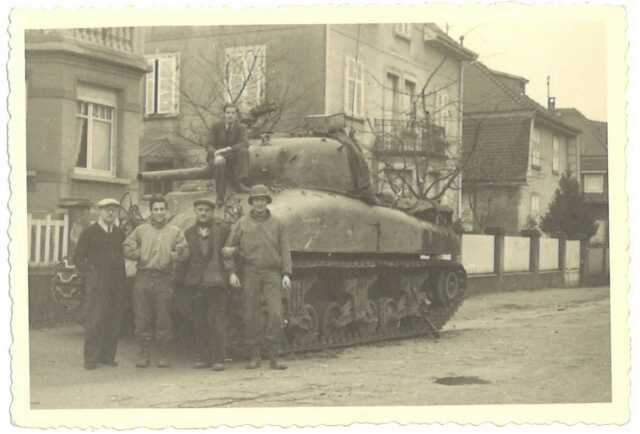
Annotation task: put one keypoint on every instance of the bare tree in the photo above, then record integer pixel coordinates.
(260, 79)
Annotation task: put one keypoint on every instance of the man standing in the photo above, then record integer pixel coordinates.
(204, 285)
(98, 257)
(261, 242)
(228, 153)
(156, 246)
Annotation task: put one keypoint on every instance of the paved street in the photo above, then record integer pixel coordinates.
(544, 346)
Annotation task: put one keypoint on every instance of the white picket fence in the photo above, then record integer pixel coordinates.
(48, 239)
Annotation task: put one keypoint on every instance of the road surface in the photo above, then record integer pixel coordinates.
(543, 346)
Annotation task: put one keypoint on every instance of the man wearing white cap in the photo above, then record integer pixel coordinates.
(98, 256)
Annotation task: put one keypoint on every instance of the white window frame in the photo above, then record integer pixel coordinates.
(534, 206)
(588, 187)
(402, 30)
(95, 97)
(165, 72)
(536, 161)
(351, 108)
(555, 162)
(253, 59)
(410, 99)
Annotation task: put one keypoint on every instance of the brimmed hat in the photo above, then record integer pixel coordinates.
(211, 204)
(106, 202)
(259, 190)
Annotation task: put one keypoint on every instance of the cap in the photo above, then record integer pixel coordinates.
(207, 202)
(106, 202)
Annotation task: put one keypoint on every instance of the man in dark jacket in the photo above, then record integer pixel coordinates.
(260, 241)
(228, 153)
(203, 283)
(98, 257)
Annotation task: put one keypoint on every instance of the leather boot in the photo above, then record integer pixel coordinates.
(242, 185)
(163, 361)
(254, 362)
(143, 355)
(274, 363)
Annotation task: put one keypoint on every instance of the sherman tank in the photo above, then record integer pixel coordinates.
(362, 271)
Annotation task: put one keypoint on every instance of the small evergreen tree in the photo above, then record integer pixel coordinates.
(569, 213)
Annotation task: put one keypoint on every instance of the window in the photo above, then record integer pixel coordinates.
(535, 206)
(594, 183)
(442, 112)
(354, 87)
(535, 148)
(391, 96)
(410, 99)
(555, 164)
(162, 94)
(95, 120)
(245, 77)
(403, 30)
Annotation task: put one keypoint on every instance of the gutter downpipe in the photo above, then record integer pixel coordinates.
(460, 111)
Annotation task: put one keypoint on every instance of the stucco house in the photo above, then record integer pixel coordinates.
(373, 73)
(515, 151)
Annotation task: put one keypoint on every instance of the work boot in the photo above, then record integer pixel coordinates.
(163, 361)
(241, 186)
(254, 362)
(201, 363)
(143, 355)
(218, 366)
(275, 364)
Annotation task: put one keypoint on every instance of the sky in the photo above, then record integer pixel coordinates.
(572, 53)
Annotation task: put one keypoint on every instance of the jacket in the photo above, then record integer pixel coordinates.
(262, 242)
(204, 269)
(220, 138)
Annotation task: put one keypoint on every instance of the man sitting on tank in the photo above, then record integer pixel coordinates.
(228, 153)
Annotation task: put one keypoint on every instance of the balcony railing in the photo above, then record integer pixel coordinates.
(121, 39)
(115, 38)
(407, 137)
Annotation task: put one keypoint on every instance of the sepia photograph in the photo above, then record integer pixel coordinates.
(249, 214)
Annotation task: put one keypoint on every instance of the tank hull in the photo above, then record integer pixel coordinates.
(361, 273)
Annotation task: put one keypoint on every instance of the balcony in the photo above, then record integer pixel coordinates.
(123, 40)
(408, 137)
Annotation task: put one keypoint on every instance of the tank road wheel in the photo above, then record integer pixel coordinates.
(330, 330)
(308, 331)
(447, 288)
(388, 322)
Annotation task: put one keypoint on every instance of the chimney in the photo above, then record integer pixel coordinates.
(462, 41)
(551, 103)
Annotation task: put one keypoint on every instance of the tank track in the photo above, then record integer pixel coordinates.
(431, 318)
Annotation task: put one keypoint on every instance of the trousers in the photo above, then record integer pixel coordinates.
(152, 301)
(232, 166)
(209, 307)
(262, 309)
(102, 317)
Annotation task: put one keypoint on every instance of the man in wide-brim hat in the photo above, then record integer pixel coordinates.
(98, 256)
(260, 240)
(201, 282)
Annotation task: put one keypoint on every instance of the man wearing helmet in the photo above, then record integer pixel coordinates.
(259, 240)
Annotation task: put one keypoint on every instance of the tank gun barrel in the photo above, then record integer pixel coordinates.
(176, 174)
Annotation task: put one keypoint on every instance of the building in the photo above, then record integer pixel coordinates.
(515, 152)
(399, 86)
(84, 114)
(593, 145)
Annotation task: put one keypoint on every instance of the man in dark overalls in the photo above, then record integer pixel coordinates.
(203, 291)
(98, 257)
(260, 241)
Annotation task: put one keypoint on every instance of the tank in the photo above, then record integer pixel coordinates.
(362, 271)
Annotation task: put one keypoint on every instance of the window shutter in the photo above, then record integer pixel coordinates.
(167, 84)
(150, 87)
